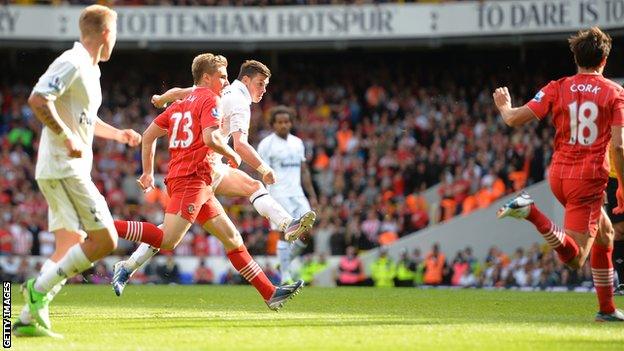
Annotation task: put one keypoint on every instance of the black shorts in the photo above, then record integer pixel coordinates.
(612, 186)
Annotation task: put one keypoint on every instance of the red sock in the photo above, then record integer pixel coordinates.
(140, 232)
(555, 237)
(602, 272)
(541, 222)
(249, 269)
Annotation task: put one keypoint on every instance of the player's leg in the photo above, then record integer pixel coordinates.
(602, 271)
(64, 239)
(617, 221)
(61, 215)
(238, 183)
(287, 251)
(187, 196)
(217, 223)
(173, 230)
(93, 214)
(618, 255)
(572, 244)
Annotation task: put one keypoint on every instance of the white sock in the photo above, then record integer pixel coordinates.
(142, 254)
(71, 264)
(269, 208)
(296, 248)
(283, 255)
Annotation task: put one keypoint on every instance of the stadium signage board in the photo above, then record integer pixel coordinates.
(320, 23)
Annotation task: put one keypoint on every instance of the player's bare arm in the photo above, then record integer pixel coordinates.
(148, 150)
(617, 150)
(213, 139)
(251, 157)
(45, 112)
(306, 181)
(123, 136)
(171, 95)
(512, 116)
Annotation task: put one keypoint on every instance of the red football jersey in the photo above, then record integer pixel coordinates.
(184, 121)
(584, 108)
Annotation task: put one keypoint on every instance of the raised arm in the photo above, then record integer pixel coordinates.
(512, 116)
(171, 95)
(124, 136)
(148, 150)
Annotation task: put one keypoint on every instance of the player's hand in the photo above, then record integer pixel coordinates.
(146, 182)
(502, 99)
(73, 147)
(130, 137)
(234, 162)
(619, 195)
(269, 177)
(158, 101)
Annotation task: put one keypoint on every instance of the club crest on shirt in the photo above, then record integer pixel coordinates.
(191, 208)
(215, 113)
(538, 97)
(56, 84)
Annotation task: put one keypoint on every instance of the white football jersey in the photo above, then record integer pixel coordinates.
(285, 157)
(236, 105)
(72, 81)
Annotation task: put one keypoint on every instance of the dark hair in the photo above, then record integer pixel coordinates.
(281, 109)
(590, 47)
(251, 68)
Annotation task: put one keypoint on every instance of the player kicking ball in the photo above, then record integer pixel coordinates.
(588, 112)
(236, 100)
(285, 153)
(192, 125)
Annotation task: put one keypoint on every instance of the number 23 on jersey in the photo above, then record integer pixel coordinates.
(182, 134)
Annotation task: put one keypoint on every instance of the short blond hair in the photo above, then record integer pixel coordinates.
(206, 63)
(94, 19)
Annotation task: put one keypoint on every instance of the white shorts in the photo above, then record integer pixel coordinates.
(296, 206)
(218, 171)
(75, 203)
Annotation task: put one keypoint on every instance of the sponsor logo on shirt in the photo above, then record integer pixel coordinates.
(191, 209)
(538, 97)
(215, 113)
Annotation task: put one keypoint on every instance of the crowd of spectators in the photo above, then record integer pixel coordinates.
(535, 268)
(378, 130)
(214, 2)
(374, 142)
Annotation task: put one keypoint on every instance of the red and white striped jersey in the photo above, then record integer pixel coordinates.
(584, 108)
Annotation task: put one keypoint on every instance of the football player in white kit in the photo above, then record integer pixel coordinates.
(66, 100)
(285, 153)
(236, 100)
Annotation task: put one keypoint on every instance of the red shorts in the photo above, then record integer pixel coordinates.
(582, 200)
(189, 195)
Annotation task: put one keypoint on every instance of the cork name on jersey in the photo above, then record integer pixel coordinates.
(584, 88)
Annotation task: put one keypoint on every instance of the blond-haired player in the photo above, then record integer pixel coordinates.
(66, 100)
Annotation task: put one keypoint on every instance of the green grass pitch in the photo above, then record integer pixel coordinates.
(235, 318)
